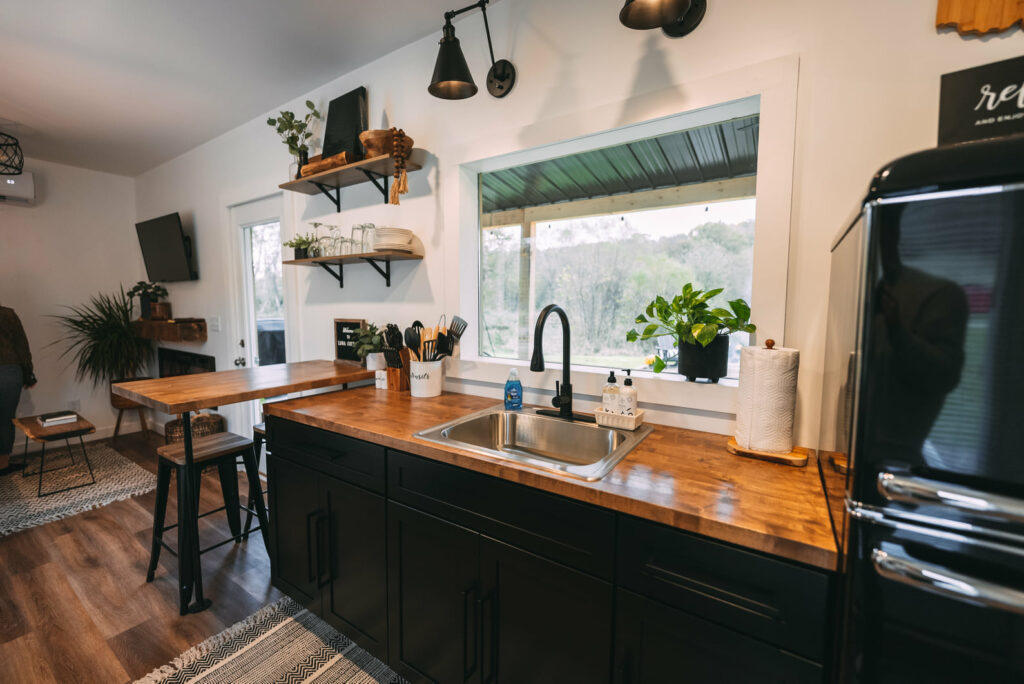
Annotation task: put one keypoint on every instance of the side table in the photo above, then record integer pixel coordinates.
(35, 431)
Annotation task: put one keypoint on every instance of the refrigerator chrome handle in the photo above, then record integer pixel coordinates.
(916, 490)
(939, 580)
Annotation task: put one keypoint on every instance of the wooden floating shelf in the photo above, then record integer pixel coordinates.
(372, 169)
(175, 330)
(375, 259)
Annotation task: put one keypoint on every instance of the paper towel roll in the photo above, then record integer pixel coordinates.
(767, 399)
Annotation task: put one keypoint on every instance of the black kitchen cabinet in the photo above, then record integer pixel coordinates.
(294, 514)
(355, 584)
(456, 577)
(655, 644)
(541, 622)
(435, 598)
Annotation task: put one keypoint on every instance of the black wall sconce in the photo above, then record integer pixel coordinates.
(12, 161)
(452, 80)
(676, 18)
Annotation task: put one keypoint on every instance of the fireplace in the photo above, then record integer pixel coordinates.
(176, 362)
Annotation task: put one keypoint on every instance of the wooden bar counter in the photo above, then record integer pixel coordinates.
(682, 478)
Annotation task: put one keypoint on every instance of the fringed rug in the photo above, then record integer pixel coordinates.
(117, 478)
(282, 642)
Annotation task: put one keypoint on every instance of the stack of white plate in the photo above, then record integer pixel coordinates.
(392, 238)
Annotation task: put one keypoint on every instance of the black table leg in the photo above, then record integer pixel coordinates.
(193, 581)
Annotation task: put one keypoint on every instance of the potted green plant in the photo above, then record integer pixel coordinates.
(148, 293)
(369, 343)
(296, 132)
(700, 332)
(301, 243)
(100, 338)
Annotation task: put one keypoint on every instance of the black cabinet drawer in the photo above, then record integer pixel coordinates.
(655, 644)
(768, 599)
(573, 533)
(352, 460)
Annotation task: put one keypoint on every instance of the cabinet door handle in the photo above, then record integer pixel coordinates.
(310, 551)
(489, 638)
(470, 630)
(322, 545)
(893, 565)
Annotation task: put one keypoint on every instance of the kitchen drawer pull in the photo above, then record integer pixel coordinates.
(916, 490)
(488, 638)
(322, 542)
(310, 551)
(939, 580)
(470, 598)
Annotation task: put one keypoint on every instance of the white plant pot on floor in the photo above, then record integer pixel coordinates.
(375, 361)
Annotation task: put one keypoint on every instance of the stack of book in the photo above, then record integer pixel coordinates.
(57, 418)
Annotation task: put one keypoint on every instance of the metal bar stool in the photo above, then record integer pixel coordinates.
(259, 436)
(220, 450)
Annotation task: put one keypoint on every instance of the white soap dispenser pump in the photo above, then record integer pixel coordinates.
(628, 397)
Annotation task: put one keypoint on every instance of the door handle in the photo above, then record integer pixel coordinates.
(944, 582)
(488, 638)
(916, 490)
(469, 668)
(322, 543)
(240, 361)
(309, 546)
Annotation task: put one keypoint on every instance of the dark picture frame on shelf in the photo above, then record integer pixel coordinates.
(347, 117)
(346, 333)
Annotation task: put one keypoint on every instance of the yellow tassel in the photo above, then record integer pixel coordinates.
(394, 191)
(403, 183)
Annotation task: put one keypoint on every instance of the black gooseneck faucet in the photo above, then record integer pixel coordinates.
(563, 393)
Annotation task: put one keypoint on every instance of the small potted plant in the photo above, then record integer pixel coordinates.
(700, 332)
(369, 342)
(148, 294)
(296, 132)
(301, 243)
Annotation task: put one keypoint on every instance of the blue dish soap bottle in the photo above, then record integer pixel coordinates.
(513, 392)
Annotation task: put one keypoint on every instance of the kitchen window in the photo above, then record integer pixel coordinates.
(602, 232)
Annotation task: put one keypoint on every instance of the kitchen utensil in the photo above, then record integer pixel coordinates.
(393, 336)
(393, 358)
(412, 341)
(445, 345)
(429, 350)
(458, 327)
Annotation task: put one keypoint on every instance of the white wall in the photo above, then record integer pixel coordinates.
(77, 241)
(868, 92)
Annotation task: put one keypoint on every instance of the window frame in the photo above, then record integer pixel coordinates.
(769, 89)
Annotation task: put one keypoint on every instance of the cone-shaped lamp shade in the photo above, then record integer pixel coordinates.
(652, 14)
(452, 80)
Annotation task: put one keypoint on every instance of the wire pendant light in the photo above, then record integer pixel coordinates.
(12, 161)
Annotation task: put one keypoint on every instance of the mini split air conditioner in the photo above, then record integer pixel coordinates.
(20, 189)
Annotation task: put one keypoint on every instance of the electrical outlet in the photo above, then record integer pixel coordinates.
(214, 323)
(75, 405)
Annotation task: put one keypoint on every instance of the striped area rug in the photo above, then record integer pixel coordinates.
(282, 642)
(117, 478)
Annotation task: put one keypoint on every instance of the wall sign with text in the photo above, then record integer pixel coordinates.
(983, 102)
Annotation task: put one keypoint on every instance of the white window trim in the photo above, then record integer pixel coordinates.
(769, 88)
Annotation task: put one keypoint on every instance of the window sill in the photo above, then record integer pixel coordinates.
(667, 392)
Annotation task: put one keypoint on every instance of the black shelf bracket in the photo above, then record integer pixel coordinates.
(384, 272)
(373, 176)
(335, 198)
(337, 276)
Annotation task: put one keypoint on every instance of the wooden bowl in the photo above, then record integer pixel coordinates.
(379, 142)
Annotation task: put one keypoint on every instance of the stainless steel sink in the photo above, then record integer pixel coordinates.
(581, 450)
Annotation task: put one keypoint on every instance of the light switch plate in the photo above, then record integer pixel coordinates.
(214, 323)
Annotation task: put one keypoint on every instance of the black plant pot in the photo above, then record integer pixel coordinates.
(301, 252)
(711, 362)
(145, 310)
(302, 161)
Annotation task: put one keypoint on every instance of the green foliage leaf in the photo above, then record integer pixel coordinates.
(632, 336)
(649, 331)
(741, 309)
(659, 364)
(640, 319)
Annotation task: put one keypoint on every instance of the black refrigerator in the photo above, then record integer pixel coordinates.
(922, 440)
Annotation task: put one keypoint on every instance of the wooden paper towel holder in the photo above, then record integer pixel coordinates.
(797, 457)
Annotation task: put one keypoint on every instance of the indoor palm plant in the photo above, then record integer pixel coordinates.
(100, 338)
(700, 332)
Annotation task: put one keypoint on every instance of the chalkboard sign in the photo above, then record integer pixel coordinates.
(983, 102)
(346, 118)
(346, 330)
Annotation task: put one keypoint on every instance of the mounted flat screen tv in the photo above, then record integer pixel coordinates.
(166, 249)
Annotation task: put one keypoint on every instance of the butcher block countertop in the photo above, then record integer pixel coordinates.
(682, 478)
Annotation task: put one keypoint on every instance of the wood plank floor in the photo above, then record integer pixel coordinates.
(74, 602)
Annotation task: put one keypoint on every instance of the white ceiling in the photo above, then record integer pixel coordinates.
(125, 85)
